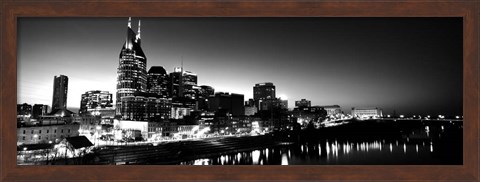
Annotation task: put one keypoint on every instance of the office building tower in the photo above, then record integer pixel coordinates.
(131, 72)
(157, 81)
(60, 89)
(232, 103)
(202, 96)
(263, 91)
(143, 108)
(95, 102)
(183, 83)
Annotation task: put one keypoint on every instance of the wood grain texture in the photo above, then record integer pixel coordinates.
(11, 10)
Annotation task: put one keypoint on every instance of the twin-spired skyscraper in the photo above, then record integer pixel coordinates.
(131, 72)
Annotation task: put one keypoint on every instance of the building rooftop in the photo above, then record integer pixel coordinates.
(157, 69)
(79, 142)
(265, 83)
(61, 112)
(330, 106)
(34, 146)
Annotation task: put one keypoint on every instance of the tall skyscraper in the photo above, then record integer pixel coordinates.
(183, 83)
(60, 88)
(202, 96)
(157, 81)
(132, 74)
(263, 91)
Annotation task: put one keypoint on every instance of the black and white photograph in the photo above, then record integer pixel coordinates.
(240, 91)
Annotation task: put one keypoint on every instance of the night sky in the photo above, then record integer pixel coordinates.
(410, 65)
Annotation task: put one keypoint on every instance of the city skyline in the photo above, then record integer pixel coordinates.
(261, 51)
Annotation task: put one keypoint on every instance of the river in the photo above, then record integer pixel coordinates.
(392, 143)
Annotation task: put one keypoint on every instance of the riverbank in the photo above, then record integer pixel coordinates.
(447, 137)
(175, 152)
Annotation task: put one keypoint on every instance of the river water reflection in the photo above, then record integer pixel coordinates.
(419, 146)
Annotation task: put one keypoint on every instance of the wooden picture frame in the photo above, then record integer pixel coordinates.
(468, 10)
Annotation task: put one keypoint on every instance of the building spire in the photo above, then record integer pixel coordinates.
(130, 35)
(137, 38)
(138, 33)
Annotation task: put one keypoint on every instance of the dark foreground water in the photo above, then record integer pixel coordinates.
(401, 143)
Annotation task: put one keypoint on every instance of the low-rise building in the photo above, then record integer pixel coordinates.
(89, 125)
(271, 104)
(187, 131)
(250, 110)
(307, 115)
(332, 109)
(169, 129)
(180, 112)
(126, 125)
(53, 133)
(24, 109)
(39, 110)
(366, 112)
(303, 103)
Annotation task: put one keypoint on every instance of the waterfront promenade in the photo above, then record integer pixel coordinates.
(432, 139)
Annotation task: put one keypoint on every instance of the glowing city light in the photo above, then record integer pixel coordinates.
(283, 97)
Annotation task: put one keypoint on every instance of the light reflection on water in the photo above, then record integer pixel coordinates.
(284, 159)
(415, 147)
(322, 153)
(256, 156)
